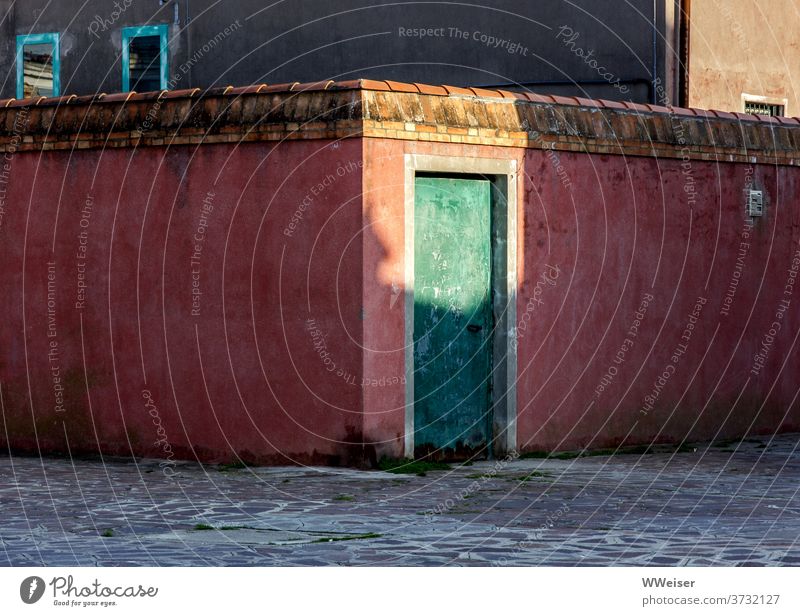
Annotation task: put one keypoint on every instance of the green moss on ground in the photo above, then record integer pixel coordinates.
(411, 467)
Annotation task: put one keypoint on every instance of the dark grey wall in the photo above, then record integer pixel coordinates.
(310, 40)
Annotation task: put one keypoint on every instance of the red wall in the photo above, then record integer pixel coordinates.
(140, 373)
(241, 378)
(623, 228)
(620, 231)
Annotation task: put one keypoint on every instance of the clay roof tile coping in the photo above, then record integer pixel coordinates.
(255, 88)
(564, 100)
(275, 88)
(59, 100)
(682, 111)
(431, 90)
(533, 97)
(613, 104)
(148, 96)
(520, 96)
(23, 102)
(371, 84)
(637, 107)
(588, 102)
(119, 97)
(723, 114)
(187, 93)
(658, 108)
(353, 84)
(766, 118)
(88, 99)
(312, 86)
(219, 91)
(702, 113)
(397, 86)
(456, 91)
(483, 93)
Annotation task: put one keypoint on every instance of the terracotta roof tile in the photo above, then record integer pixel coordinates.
(612, 104)
(486, 93)
(24, 102)
(682, 111)
(252, 89)
(187, 93)
(703, 113)
(118, 97)
(397, 86)
(431, 90)
(564, 100)
(658, 108)
(353, 84)
(312, 86)
(278, 87)
(88, 99)
(148, 96)
(60, 100)
(456, 91)
(533, 97)
(371, 84)
(637, 107)
(218, 91)
(588, 102)
(725, 115)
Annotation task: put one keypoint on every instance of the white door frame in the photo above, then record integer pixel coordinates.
(503, 175)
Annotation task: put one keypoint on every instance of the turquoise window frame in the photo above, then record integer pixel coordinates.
(51, 38)
(161, 31)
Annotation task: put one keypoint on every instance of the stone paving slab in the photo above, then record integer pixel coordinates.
(732, 505)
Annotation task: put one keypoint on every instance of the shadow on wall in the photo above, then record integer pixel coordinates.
(213, 313)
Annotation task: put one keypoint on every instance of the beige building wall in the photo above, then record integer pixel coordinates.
(744, 47)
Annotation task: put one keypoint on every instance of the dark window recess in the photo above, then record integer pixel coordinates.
(145, 63)
(767, 109)
(37, 70)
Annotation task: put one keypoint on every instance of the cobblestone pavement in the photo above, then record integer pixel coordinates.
(723, 504)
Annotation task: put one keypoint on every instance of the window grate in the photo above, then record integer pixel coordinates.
(767, 109)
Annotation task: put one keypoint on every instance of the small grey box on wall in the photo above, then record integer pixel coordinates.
(755, 203)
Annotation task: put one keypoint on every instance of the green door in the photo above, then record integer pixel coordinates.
(452, 316)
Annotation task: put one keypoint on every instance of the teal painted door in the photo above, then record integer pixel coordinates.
(452, 316)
